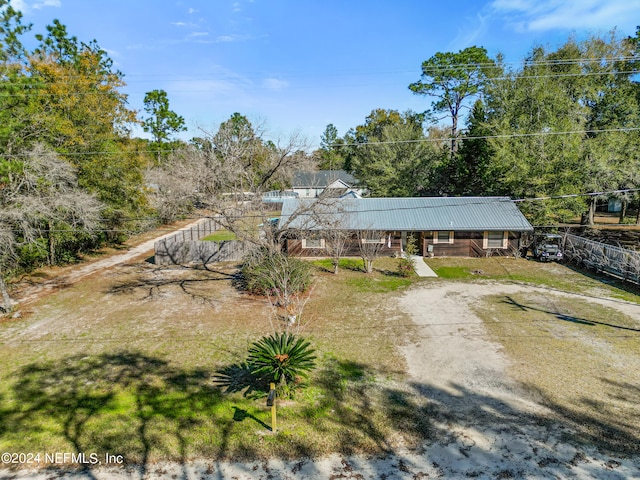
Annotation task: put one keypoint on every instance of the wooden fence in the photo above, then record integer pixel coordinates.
(616, 261)
(185, 247)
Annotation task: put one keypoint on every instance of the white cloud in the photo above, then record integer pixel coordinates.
(191, 11)
(47, 3)
(19, 5)
(199, 34)
(22, 6)
(544, 15)
(232, 38)
(274, 84)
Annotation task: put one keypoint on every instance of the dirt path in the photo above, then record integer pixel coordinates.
(492, 421)
(454, 352)
(29, 293)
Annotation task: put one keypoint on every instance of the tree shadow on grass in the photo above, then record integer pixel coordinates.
(239, 378)
(151, 283)
(602, 277)
(373, 413)
(125, 403)
(143, 407)
(567, 318)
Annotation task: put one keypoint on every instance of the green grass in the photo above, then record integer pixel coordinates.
(551, 275)
(124, 364)
(219, 236)
(354, 264)
(384, 279)
(581, 359)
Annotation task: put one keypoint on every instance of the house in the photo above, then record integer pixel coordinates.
(442, 226)
(333, 183)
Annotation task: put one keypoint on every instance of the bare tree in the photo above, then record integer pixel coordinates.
(331, 214)
(41, 200)
(336, 244)
(371, 244)
(227, 171)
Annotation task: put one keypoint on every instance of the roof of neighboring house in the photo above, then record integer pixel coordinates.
(405, 214)
(321, 179)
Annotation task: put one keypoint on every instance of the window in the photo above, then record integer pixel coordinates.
(372, 240)
(442, 237)
(495, 240)
(313, 243)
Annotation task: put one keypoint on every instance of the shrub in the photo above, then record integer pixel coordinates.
(282, 358)
(269, 272)
(405, 267)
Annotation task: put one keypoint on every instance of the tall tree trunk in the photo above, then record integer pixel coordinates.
(52, 246)
(592, 212)
(638, 214)
(623, 211)
(6, 300)
(588, 217)
(454, 134)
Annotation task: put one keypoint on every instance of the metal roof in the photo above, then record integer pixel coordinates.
(405, 214)
(321, 179)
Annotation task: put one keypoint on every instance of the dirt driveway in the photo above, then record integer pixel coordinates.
(495, 425)
(29, 292)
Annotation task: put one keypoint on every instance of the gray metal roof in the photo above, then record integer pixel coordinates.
(405, 214)
(321, 179)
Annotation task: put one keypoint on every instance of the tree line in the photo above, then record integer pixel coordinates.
(562, 122)
(72, 176)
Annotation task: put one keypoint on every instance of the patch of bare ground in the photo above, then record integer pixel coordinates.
(48, 280)
(524, 371)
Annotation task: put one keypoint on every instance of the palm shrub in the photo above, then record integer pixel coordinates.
(283, 358)
(405, 267)
(276, 275)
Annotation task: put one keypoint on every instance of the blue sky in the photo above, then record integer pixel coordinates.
(300, 65)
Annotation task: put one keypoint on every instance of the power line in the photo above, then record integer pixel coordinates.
(197, 77)
(308, 211)
(486, 137)
(353, 144)
(116, 92)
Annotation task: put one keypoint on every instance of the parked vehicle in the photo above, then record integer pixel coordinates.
(548, 247)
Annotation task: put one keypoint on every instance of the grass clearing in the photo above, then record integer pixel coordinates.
(552, 275)
(219, 236)
(582, 360)
(125, 362)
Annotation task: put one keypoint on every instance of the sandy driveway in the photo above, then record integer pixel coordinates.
(26, 294)
(489, 427)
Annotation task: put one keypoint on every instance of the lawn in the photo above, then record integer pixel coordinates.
(551, 275)
(581, 360)
(126, 361)
(219, 236)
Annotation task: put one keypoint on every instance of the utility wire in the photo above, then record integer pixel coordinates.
(486, 137)
(354, 144)
(514, 77)
(308, 211)
(194, 77)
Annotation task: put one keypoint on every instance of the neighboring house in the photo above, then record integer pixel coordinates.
(442, 226)
(334, 183)
(278, 196)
